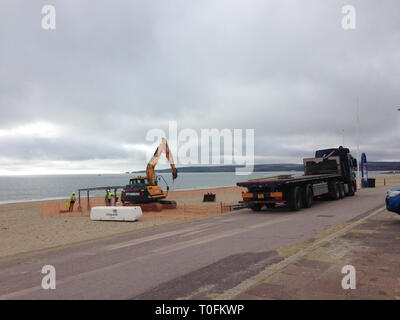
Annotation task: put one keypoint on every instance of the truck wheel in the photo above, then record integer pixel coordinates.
(341, 190)
(256, 207)
(334, 190)
(307, 196)
(352, 189)
(271, 205)
(295, 199)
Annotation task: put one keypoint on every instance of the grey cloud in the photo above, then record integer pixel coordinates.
(112, 71)
(70, 148)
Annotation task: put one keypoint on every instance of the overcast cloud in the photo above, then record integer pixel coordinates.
(81, 98)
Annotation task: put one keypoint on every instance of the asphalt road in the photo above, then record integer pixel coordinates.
(192, 260)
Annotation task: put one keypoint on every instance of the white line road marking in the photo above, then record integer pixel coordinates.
(191, 233)
(16, 294)
(208, 238)
(229, 220)
(156, 237)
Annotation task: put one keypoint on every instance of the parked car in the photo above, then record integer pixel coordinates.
(393, 200)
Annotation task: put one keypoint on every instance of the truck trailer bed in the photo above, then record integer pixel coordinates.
(286, 179)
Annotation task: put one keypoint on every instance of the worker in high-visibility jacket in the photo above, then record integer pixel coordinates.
(72, 200)
(116, 197)
(108, 198)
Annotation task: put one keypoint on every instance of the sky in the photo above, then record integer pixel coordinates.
(82, 98)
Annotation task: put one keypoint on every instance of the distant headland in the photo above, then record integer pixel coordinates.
(392, 166)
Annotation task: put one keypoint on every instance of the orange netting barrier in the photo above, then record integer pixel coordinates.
(59, 208)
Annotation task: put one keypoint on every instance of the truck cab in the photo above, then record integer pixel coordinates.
(348, 164)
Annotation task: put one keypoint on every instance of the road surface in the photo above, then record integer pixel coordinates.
(192, 260)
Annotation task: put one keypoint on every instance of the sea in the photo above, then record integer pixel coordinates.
(15, 189)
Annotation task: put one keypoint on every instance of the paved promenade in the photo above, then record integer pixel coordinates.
(372, 247)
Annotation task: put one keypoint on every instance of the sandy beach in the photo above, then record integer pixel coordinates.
(23, 228)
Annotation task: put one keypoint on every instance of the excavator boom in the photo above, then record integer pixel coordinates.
(163, 147)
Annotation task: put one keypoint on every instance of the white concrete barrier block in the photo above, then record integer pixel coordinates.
(116, 213)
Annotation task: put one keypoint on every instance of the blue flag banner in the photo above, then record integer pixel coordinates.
(364, 171)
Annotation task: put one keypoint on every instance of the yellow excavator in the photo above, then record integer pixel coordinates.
(146, 189)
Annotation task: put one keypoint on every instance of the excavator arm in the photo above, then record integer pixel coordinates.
(163, 147)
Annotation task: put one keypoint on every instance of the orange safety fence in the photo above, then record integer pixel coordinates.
(58, 208)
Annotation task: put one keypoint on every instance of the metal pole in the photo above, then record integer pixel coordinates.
(88, 199)
(79, 206)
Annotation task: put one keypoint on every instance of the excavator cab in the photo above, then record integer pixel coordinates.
(138, 180)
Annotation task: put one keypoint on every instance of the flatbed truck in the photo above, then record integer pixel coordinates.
(331, 173)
